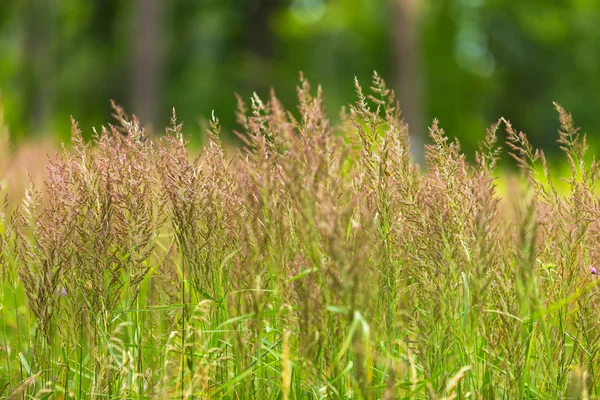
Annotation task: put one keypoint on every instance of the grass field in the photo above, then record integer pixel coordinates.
(318, 262)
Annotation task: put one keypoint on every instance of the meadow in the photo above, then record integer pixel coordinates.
(318, 262)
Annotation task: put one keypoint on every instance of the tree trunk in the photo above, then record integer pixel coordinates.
(407, 65)
(147, 60)
(37, 72)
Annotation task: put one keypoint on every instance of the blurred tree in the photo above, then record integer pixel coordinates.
(37, 68)
(407, 61)
(491, 58)
(147, 20)
(466, 62)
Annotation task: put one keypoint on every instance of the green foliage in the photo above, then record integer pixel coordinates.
(476, 59)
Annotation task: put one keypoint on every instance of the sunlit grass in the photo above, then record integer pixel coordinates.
(318, 262)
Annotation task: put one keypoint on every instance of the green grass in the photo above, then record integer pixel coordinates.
(319, 262)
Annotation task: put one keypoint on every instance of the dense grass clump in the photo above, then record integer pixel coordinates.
(318, 262)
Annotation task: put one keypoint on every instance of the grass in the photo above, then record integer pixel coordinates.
(317, 262)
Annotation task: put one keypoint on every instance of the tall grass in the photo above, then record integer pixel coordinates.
(317, 262)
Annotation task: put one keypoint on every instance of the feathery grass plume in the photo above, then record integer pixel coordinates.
(435, 235)
(43, 261)
(113, 219)
(296, 169)
(385, 178)
(202, 207)
(318, 261)
(89, 244)
(485, 258)
(580, 247)
(567, 247)
(272, 187)
(44, 256)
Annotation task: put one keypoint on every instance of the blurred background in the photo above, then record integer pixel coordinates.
(466, 62)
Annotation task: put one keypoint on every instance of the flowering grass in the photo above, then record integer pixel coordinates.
(317, 262)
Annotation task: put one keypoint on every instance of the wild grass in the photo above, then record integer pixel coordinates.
(318, 262)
